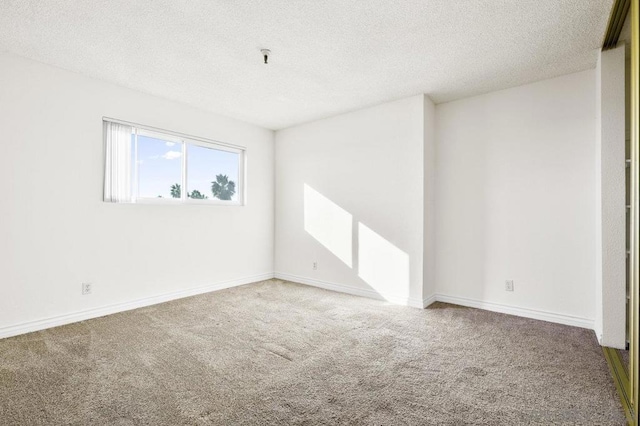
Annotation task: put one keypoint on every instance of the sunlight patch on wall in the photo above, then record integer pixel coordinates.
(329, 224)
(382, 265)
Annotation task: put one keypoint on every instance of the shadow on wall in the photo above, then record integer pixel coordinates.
(380, 264)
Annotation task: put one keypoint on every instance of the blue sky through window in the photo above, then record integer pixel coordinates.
(160, 167)
(204, 164)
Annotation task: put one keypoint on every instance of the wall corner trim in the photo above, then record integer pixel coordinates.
(429, 300)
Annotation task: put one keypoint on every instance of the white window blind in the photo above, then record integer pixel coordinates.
(117, 176)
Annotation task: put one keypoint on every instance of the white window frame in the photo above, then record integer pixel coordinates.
(184, 141)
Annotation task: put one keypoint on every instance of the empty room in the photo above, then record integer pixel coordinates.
(335, 212)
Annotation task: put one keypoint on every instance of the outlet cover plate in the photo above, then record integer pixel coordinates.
(86, 288)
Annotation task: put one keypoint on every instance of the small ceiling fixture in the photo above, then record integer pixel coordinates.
(265, 55)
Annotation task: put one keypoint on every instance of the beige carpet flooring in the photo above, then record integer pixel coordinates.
(275, 353)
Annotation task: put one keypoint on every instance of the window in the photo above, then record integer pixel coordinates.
(149, 165)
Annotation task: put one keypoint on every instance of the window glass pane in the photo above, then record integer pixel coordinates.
(212, 173)
(159, 168)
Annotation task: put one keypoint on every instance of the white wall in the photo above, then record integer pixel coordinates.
(55, 231)
(504, 188)
(430, 225)
(515, 199)
(357, 181)
(610, 324)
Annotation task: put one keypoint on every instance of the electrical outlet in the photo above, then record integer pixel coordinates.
(86, 288)
(508, 285)
(315, 266)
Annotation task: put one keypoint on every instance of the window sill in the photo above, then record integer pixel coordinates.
(172, 202)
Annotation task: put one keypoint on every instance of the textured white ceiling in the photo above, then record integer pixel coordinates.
(328, 56)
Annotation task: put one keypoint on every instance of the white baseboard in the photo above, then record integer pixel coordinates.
(28, 327)
(472, 303)
(42, 324)
(356, 291)
(429, 300)
(517, 311)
